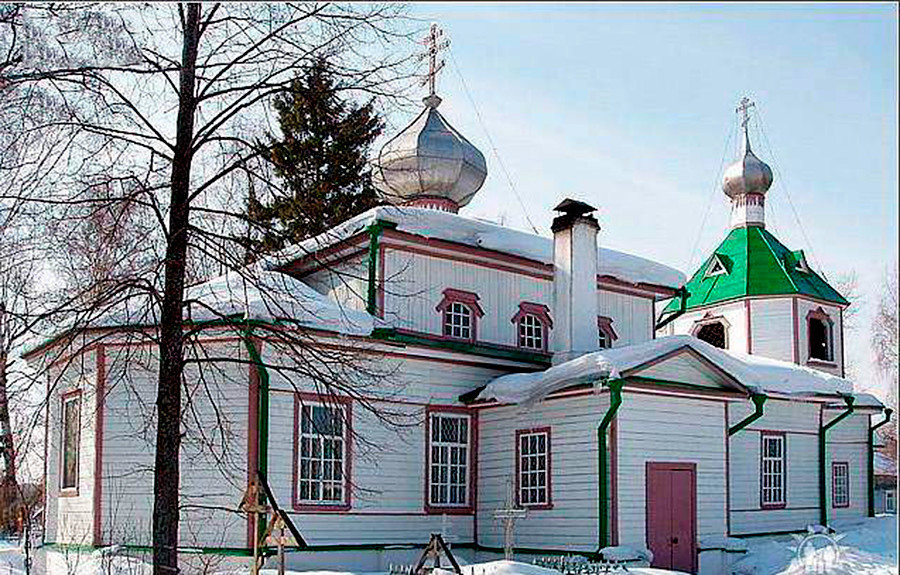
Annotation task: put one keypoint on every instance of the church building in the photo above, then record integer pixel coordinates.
(625, 410)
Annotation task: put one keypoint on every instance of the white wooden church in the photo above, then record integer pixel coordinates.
(622, 406)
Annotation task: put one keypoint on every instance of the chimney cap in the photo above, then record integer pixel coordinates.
(574, 208)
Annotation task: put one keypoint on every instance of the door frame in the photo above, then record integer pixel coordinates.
(672, 466)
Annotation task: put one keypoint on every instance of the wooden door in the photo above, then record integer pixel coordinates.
(672, 515)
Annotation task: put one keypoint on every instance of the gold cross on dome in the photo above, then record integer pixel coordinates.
(744, 110)
(433, 44)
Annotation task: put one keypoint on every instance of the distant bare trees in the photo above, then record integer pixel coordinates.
(885, 344)
(159, 106)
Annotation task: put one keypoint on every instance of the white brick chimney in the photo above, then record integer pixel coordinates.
(574, 281)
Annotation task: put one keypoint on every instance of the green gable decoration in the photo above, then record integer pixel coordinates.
(758, 265)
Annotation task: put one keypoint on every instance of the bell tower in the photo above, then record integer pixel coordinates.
(753, 295)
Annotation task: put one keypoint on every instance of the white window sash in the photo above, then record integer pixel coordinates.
(321, 460)
(449, 463)
(534, 468)
(773, 472)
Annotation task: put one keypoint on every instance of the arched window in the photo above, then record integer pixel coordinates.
(713, 330)
(532, 326)
(606, 335)
(460, 312)
(820, 332)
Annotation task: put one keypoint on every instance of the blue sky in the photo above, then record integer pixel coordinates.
(629, 106)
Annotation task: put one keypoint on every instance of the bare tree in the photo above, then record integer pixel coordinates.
(163, 103)
(884, 344)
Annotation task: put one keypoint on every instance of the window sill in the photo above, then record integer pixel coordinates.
(541, 507)
(68, 492)
(773, 507)
(847, 506)
(821, 363)
(314, 508)
(438, 510)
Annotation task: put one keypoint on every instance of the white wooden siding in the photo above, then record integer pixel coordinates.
(345, 282)
(848, 442)
(632, 317)
(572, 523)
(735, 313)
(772, 328)
(656, 429)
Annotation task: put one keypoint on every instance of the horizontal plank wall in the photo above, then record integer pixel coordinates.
(847, 442)
(771, 328)
(572, 523)
(654, 428)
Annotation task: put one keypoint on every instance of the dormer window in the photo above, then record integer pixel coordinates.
(802, 265)
(460, 313)
(820, 331)
(606, 335)
(713, 330)
(716, 267)
(532, 326)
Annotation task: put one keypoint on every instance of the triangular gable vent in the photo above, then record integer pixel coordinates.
(716, 267)
(802, 265)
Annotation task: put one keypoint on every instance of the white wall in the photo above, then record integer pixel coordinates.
(848, 442)
(632, 317)
(735, 314)
(772, 328)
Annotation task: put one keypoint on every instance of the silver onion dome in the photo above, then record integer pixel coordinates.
(748, 175)
(429, 163)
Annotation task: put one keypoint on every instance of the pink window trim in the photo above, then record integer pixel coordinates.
(834, 465)
(328, 400)
(467, 298)
(605, 324)
(519, 434)
(469, 508)
(540, 311)
(63, 398)
(784, 475)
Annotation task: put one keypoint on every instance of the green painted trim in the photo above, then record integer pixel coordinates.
(871, 459)
(615, 401)
(759, 400)
(374, 229)
(684, 386)
(262, 414)
(534, 551)
(391, 335)
(227, 551)
(823, 437)
(769, 533)
(682, 295)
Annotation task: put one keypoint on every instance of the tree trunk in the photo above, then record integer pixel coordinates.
(7, 454)
(171, 363)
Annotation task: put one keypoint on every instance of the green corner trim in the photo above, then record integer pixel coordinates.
(871, 459)
(262, 413)
(615, 401)
(375, 229)
(823, 437)
(759, 400)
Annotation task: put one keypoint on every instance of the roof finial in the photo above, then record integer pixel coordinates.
(433, 45)
(744, 110)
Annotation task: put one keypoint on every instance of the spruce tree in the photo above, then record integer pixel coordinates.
(321, 159)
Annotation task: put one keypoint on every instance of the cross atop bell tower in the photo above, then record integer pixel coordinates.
(434, 44)
(744, 110)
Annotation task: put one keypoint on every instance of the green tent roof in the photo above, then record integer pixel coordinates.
(756, 264)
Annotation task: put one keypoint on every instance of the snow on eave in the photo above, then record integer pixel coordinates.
(755, 373)
(472, 232)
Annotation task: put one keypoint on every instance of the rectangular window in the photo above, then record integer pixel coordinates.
(448, 461)
(533, 470)
(531, 332)
(890, 503)
(840, 484)
(458, 321)
(772, 471)
(71, 439)
(322, 454)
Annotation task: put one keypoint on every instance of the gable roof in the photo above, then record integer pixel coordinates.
(759, 265)
(471, 232)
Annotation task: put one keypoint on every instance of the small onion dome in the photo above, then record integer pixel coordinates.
(429, 164)
(748, 175)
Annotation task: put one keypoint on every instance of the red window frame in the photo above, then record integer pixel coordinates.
(548, 504)
(471, 471)
(542, 313)
(784, 476)
(344, 403)
(466, 298)
(71, 491)
(834, 466)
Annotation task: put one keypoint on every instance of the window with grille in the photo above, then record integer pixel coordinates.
(531, 332)
(322, 458)
(890, 503)
(458, 321)
(71, 440)
(840, 484)
(534, 468)
(772, 471)
(448, 475)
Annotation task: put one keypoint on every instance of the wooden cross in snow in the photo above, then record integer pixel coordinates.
(508, 515)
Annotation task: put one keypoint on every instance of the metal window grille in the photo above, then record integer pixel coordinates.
(841, 484)
(534, 468)
(323, 455)
(449, 465)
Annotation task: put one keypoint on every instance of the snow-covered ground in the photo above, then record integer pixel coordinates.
(864, 547)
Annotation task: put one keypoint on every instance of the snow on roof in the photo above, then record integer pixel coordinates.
(477, 233)
(757, 373)
(884, 465)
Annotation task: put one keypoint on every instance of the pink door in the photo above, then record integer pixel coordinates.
(672, 515)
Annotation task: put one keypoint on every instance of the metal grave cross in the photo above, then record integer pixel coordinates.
(508, 515)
